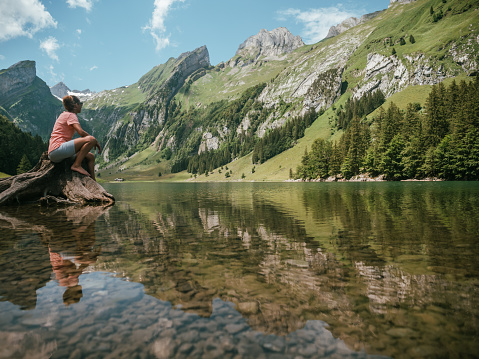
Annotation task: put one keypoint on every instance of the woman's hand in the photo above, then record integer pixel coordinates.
(83, 133)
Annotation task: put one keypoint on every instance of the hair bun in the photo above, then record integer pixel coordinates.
(68, 103)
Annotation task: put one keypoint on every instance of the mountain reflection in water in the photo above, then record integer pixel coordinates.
(251, 269)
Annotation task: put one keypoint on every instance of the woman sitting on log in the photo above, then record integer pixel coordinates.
(63, 146)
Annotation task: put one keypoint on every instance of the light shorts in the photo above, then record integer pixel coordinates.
(66, 150)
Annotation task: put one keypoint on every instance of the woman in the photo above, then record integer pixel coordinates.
(63, 146)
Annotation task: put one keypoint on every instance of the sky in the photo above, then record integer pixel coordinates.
(105, 44)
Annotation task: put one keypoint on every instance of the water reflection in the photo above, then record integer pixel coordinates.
(388, 269)
(38, 241)
(188, 256)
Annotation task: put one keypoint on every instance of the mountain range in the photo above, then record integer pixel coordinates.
(186, 107)
(61, 90)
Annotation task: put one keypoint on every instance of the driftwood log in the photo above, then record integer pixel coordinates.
(50, 182)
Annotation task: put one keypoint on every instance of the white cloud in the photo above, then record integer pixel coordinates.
(93, 68)
(23, 18)
(54, 77)
(79, 32)
(50, 46)
(2, 57)
(52, 72)
(156, 25)
(86, 4)
(317, 22)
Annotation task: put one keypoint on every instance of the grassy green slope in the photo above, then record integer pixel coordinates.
(433, 39)
(229, 83)
(156, 77)
(126, 98)
(121, 97)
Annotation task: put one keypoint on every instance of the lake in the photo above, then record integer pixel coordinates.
(245, 270)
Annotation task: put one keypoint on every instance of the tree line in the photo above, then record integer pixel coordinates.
(359, 108)
(439, 141)
(282, 138)
(19, 150)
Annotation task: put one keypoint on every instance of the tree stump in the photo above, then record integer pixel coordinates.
(50, 182)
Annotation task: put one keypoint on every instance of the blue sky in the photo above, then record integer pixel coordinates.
(105, 44)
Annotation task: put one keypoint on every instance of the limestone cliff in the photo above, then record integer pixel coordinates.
(391, 74)
(342, 27)
(349, 23)
(306, 76)
(17, 78)
(267, 44)
(27, 99)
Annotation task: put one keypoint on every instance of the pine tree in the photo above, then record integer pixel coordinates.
(320, 158)
(429, 166)
(444, 155)
(412, 158)
(452, 100)
(304, 169)
(412, 123)
(391, 124)
(412, 40)
(436, 123)
(355, 143)
(24, 165)
(391, 161)
(413, 152)
(336, 160)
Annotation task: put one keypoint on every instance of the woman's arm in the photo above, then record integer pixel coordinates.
(80, 130)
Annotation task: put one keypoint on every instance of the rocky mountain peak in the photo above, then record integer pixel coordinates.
(201, 53)
(17, 77)
(186, 64)
(59, 90)
(271, 43)
(351, 22)
(342, 27)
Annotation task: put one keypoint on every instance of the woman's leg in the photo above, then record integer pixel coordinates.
(83, 145)
(90, 157)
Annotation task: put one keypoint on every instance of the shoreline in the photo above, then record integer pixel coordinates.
(367, 178)
(320, 180)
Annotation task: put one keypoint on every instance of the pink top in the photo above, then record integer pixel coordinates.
(63, 130)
